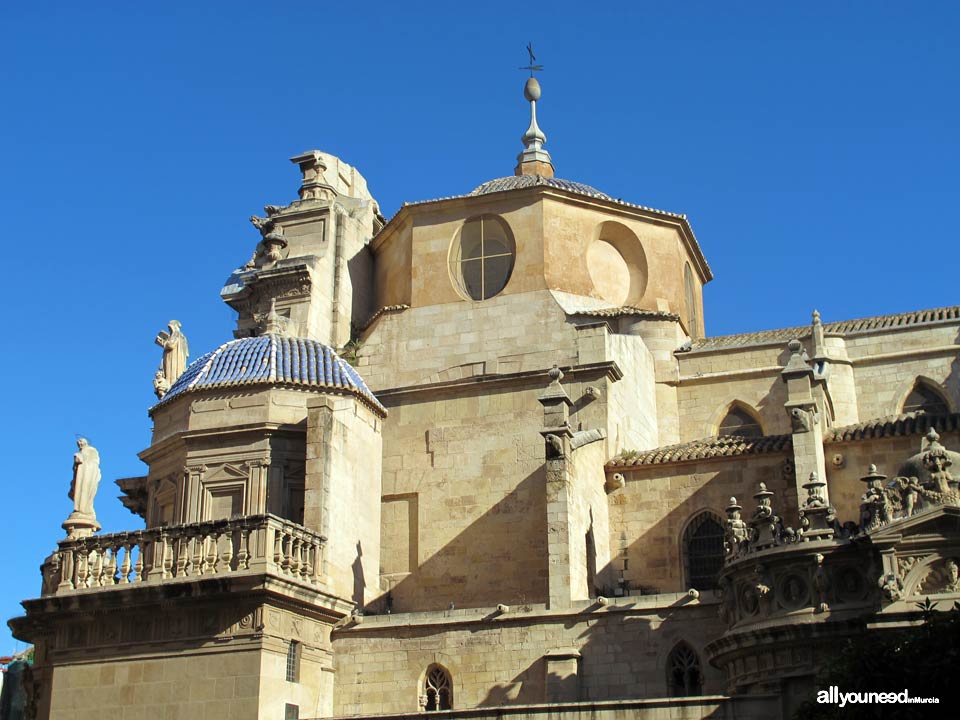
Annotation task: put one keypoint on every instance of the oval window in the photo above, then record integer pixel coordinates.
(481, 258)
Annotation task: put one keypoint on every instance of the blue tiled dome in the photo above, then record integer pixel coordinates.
(273, 360)
(515, 182)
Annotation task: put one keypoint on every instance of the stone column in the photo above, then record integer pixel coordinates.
(257, 495)
(557, 433)
(192, 491)
(805, 420)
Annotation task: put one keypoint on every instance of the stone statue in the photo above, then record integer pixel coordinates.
(737, 534)
(764, 523)
(86, 478)
(909, 490)
(936, 462)
(891, 587)
(876, 509)
(953, 576)
(160, 384)
(175, 352)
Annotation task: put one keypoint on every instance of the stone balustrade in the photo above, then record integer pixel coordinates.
(255, 543)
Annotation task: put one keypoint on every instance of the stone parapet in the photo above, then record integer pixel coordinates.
(194, 551)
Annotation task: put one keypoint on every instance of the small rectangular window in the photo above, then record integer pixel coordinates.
(293, 663)
(291, 712)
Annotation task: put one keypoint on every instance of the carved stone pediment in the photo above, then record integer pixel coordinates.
(226, 472)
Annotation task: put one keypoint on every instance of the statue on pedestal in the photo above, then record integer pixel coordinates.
(175, 353)
(83, 488)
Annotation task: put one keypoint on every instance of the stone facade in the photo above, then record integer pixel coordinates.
(480, 456)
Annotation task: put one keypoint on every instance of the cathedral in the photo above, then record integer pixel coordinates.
(480, 459)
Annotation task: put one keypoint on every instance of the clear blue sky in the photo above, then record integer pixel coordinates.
(813, 145)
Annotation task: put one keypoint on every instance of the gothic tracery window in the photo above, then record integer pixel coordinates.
(703, 551)
(683, 672)
(437, 689)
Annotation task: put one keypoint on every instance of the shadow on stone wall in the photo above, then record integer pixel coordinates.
(501, 557)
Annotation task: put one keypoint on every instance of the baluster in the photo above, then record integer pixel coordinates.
(183, 550)
(151, 547)
(200, 551)
(243, 554)
(111, 574)
(82, 565)
(278, 547)
(308, 558)
(228, 551)
(302, 551)
(138, 568)
(125, 566)
(99, 560)
(166, 548)
(66, 570)
(214, 557)
(287, 551)
(294, 554)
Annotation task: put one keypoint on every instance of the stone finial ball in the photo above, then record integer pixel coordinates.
(794, 346)
(531, 91)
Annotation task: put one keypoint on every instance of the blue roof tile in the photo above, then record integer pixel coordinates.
(272, 359)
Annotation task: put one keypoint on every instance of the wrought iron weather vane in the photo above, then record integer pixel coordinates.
(532, 67)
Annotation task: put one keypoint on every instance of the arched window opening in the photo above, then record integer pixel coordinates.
(739, 422)
(293, 661)
(690, 292)
(703, 551)
(923, 398)
(437, 690)
(683, 672)
(481, 257)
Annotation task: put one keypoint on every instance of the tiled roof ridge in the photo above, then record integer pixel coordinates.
(839, 327)
(704, 449)
(912, 317)
(628, 311)
(380, 313)
(912, 423)
(560, 184)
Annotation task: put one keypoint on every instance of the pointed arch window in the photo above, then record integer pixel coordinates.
(437, 689)
(683, 672)
(926, 399)
(738, 421)
(703, 551)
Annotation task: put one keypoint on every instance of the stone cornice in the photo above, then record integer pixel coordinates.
(532, 378)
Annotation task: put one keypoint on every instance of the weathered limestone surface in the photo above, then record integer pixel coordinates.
(500, 659)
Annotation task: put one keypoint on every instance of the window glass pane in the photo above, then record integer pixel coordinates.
(471, 245)
(482, 260)
(472, 281)
(705, 554)
(496, 272)
(494, 243)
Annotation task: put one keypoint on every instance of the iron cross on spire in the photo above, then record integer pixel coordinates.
(532, 67)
